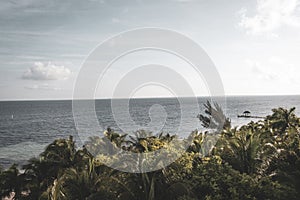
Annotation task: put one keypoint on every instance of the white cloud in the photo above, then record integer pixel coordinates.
(42, 87)
(184, 1)
(41, 71)
(99, 1)
(115, 20)
(274, 69)
(262, 70)
(270, 15)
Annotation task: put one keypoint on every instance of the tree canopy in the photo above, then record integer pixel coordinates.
(260, 160)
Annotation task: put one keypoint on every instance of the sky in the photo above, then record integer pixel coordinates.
(254, 44)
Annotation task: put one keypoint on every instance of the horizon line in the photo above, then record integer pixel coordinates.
(151, 97)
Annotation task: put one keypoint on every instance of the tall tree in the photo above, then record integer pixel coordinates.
(214, 117)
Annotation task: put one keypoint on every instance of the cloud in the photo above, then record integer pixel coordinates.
(41, 71)
(262, 71)
(274, 69)
(270, 15)
(99, 1)
(41, 87)
(115, 20)
(184, 1)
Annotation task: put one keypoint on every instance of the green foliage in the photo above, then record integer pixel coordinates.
(213, 180)
(214, 117)
(260, 160)
(10, 181)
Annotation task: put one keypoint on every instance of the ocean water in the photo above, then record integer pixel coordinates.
(26, 127)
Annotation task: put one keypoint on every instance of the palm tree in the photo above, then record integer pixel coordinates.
(285, 167)
(144, 141)
(10, 183)
(214, 117)
(114, 137)
(40, 172)
(246, 149)
(74, 184)
(282, 119)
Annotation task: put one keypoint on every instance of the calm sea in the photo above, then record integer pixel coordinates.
(26, 127)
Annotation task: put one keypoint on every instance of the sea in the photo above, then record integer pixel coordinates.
(26, 127)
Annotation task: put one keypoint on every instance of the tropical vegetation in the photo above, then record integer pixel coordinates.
(259, 160)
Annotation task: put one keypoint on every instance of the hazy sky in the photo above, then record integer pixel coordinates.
(255, 45)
